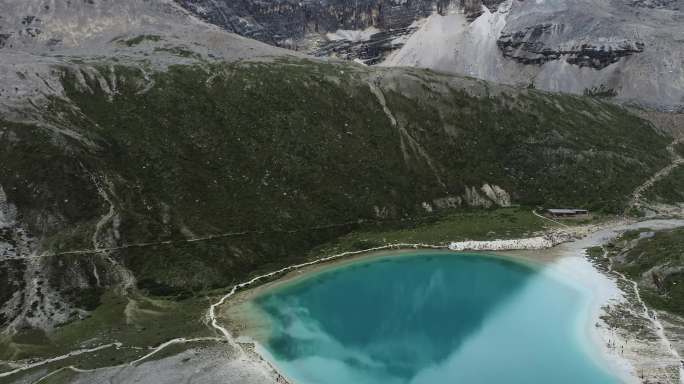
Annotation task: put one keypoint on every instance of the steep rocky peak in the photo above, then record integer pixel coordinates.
(304, 25)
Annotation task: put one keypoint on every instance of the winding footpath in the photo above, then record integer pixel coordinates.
(180, 340)
(154, 351)
(59, 358)
(56, 371)
(651, 316)
(534, 212)
(677, 160)
(100, 250)
(117, 345)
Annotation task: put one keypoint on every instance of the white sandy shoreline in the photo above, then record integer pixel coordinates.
(627, 354)
(569, 244)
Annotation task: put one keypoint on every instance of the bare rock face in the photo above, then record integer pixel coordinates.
(26, 299)
(487, 196)
(588, 55)
(306, 25)
(577, 46)
(630, 50)
(14, 239)
(277, 21)
(662, 4)
(497, 195)
(474, 198)
(528, 47)
(606, 48)
(102, 28)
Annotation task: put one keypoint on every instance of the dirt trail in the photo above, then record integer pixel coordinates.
(647, 314)
(154, 351)
(59, 358)
(677, 160)
(103, 250)
(534, 212)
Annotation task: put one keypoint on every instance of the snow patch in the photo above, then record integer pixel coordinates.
(352, 35)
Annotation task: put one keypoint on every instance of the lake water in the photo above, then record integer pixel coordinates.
(431, 318)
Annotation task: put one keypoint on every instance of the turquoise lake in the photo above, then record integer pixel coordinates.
(431, 318)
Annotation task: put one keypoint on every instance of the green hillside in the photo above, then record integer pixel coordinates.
(290, 155)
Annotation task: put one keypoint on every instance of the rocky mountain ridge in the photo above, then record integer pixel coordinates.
(527, 47)
(310, 26)
(562, 46)
(629, 48)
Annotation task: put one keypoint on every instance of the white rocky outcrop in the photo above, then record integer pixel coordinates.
(473, 198)
(497, 195)
(487, 196)
(539, 242)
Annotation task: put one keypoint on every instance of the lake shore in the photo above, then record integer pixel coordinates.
(635, 356)
(564, 250)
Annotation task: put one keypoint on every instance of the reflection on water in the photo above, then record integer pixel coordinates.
(429, 319)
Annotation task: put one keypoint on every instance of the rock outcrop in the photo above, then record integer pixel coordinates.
(661, 4)
(528, 47)
(14, 239)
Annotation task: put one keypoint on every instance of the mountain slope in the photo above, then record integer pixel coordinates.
(159, 156)
(284, 156)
